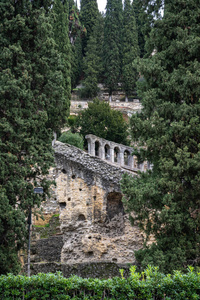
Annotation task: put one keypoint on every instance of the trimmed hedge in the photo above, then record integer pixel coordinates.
(148, 285)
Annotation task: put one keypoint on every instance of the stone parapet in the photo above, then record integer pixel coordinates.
(117, 154)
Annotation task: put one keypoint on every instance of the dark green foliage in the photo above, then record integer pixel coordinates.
(99, 119)
(74, 139)
(61, 37)
(46, 4)
(92, 63)
(72, 120)
(75, 26)
(77, 60)
(89, 12)
(143, 24)
(77, 31)
(71, 3)
(130, 49)
(148, 285)
(32, 104)
(166, 200)
(112, 44)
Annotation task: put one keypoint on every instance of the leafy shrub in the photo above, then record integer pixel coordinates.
(99, 119)
(74, 139)
(148, 285)
(72, 119)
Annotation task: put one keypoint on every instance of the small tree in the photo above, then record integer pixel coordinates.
(99, 119)
(74, 139)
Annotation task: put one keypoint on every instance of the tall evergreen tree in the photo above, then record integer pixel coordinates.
(89, 12)
(77, 32)
(112, 44)
(77, 60)
(61, 37)
(166, 200)
(92, 62)
(143, 21)
(32, 104)
(71, 3)
(130, 49)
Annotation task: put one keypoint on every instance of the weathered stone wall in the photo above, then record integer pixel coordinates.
(94, 237)
(93, 222)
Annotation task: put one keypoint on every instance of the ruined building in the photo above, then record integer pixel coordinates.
(92, 235)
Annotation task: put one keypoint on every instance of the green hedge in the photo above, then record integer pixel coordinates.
(148, 285)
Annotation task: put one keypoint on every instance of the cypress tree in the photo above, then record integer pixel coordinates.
(112, 44)
(76, 32)
(71, 3)
(32, 105)
(77, 60)
(130, 49)
(61, 37)
(166, 199)
(93, 60)
(88, 14)
(143, 24)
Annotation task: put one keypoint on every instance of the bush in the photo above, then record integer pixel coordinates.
(72, 120)
(147, 285)
(74, 139)
(99, 119)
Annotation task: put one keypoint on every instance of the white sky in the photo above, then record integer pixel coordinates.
(101, 4)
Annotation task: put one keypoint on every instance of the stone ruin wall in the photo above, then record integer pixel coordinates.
(94, 228)
(93, 222)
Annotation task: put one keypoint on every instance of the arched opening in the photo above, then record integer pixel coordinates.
(114, 204)
(89, 145)
(116, 155)
(127, 158)
(97, 146)
(81, 217)
(107, 152)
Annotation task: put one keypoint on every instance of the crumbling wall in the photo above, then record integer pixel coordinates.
(94, 225)
(93, 237)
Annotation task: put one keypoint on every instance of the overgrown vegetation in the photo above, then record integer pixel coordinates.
(148, 285)
(99, 119)
(74, 139)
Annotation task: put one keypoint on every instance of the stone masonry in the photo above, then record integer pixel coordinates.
(93, 222)
(86, 230)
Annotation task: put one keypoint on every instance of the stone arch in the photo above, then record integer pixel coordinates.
(107, 152)
(97, 148)
(114, 204)
(117, 155)
(127, 158)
